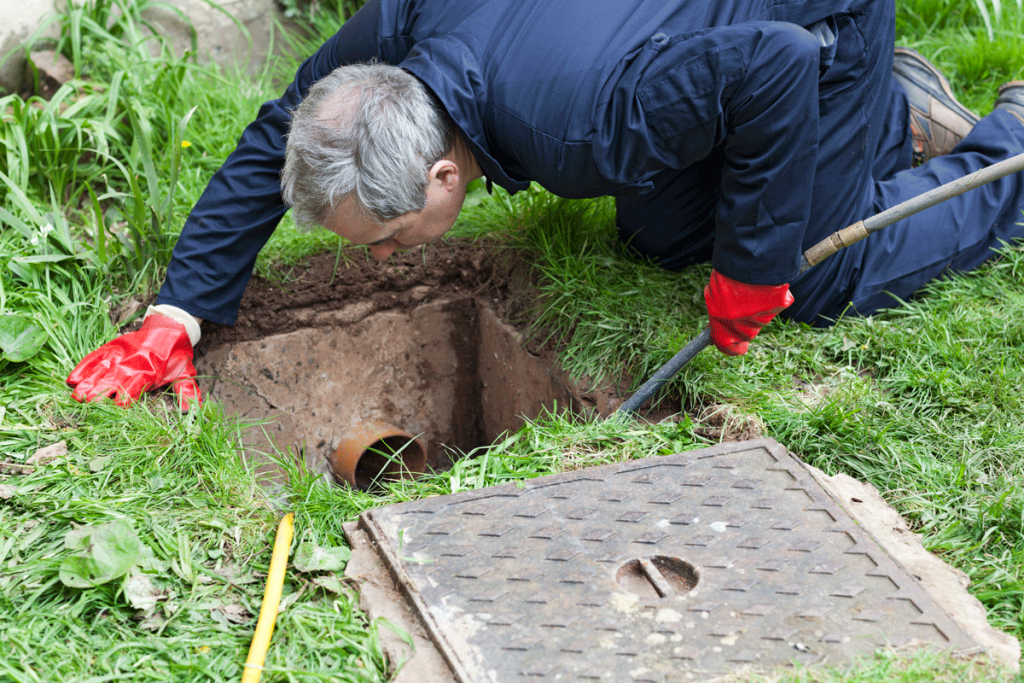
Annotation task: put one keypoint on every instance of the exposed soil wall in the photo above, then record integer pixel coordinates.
(415, 342)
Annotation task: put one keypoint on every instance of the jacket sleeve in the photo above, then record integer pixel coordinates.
(752, 88)
(241, 206)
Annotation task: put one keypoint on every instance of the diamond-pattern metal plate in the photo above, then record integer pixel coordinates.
(571, 576)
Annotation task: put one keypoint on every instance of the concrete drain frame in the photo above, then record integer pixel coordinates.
(672, 568)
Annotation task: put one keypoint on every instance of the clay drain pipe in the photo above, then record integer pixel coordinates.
(375, 451)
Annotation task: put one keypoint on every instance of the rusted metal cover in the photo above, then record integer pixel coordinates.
(671, 568)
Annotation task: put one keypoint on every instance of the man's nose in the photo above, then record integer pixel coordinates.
(382, 252)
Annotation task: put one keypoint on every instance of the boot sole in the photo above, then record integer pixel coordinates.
(943, 83)
(1010, 84)
(1014, 104)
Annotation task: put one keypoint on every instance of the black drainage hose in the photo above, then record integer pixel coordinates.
(667, 372)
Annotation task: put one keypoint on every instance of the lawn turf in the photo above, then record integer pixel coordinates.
(923, 401)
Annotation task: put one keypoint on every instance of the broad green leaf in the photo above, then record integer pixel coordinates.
(100, 553)
(310, 557)
(43, 258)
(97, 464)
(20, 338)
(329, 583)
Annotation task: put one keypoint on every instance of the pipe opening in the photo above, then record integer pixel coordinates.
(388, 459)
(374, 452)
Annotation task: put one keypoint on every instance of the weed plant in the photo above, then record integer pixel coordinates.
(923, 401)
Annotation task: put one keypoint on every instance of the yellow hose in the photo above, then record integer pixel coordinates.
(271, 601)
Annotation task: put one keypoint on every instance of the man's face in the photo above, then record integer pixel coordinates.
(444, 201)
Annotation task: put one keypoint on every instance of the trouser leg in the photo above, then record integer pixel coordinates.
(863, 168)
(862, 132)
(870, 167)
(957, 235)
(895, 150)
(674, 224)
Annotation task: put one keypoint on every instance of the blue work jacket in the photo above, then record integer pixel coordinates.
(585, 97)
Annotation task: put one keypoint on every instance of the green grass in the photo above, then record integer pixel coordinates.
(923, 401)
(899, 667)
(954, 35)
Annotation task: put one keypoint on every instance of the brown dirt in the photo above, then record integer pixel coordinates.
(407, 280)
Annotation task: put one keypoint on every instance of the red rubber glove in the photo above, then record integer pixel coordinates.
(159, 353)
(738, 311)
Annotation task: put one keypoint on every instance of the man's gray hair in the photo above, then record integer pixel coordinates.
(367, 130)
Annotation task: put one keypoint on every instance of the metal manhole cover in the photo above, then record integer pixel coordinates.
(670, 568)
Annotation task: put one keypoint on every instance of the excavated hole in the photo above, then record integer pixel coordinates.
(449, 372)
(414, 341)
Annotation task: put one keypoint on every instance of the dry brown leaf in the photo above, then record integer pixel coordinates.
(154, 622)
(125, 311)
(141, 593)
(235, 613)
(234, 574)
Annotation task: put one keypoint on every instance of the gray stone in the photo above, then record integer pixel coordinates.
(53, 70)
(20, 20)
(236, 33)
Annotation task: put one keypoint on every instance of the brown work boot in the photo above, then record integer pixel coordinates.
(1011, 98)
(937, 121)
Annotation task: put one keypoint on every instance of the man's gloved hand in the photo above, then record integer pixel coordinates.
(738, 311)
(159, 353)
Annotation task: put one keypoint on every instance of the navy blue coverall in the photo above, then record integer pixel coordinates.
(740, 131)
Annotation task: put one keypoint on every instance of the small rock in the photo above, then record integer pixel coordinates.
(419, 293)
(54, 70)
(47, 455)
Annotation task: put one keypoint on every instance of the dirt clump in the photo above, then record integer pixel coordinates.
(721, 422)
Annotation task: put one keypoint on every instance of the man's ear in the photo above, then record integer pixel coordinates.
(445, 172)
